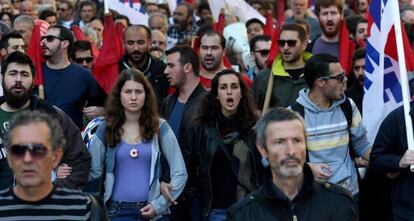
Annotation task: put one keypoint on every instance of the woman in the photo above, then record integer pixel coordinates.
(129, 144)
(229, 164)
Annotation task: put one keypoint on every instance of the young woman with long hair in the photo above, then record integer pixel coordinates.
(129, 145)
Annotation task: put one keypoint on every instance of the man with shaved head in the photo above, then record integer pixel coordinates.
(137, 42)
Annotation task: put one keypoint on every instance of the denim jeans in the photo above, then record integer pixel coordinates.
(217, 215)
(123, 211)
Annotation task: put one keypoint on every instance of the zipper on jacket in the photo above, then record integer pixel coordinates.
(211, 187)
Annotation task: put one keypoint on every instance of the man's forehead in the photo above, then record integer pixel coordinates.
(283, 129)
(289, 34)
(15, 41)
(330, 8)
(18, 67)
(210, 40)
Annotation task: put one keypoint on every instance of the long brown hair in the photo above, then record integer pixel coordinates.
(115, 116)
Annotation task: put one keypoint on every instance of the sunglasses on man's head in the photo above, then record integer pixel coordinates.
(263, 53)
(37, 150)
(50, 38)
(290, 43)
(81, 60)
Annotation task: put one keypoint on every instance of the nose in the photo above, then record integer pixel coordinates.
(290, 149)
(133, 96)
(27, 157)
(228, 90)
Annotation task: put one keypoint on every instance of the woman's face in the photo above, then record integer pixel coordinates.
(6, 19)
(132, 96)
(229, 94)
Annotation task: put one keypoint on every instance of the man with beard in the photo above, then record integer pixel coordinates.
(289, 191)
(184, 27)
(286, 72)
(18, 80)
(259, 50)
(212, 51)
(333, 124)
(330, 14)
(137, 42)
(301, 12)
(356, 91)
(67, 85)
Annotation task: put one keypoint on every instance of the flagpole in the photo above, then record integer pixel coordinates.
(106, 9)
(404, 78)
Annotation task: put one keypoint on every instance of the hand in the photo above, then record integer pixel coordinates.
(63, 171)
(166, 189)
(321, 171)
(361, 162)
(93, 112)
(407, 159)
(148, 211)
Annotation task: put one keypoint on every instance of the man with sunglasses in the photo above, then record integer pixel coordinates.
(65, 13)
(82, 54)
(333, 123)
(259, 50)
(286, 74)
(18, 80)
(35, 147)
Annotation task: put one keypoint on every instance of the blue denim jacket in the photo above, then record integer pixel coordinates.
(105, 156)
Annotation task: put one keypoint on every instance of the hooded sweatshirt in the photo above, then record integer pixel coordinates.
(329, 136)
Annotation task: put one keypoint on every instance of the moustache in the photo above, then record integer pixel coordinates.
(289, 158)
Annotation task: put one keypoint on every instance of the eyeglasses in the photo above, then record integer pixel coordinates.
(62, 9)
(81, 60)
(263, 53)
(37, 150)
(340, 77)
(290, 43)
(357, 68)
(51, 38)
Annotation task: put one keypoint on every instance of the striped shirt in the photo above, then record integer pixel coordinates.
(60, 204)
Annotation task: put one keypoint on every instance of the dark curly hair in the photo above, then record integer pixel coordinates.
(210, 106)
(115, 116)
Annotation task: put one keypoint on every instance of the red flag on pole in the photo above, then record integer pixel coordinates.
(106, 69)
(218, 27)
(268, 28)
(346, 48)
(35, 51)
(81, 37)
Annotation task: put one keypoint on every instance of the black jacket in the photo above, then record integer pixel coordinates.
(154, 71)
(387, 151)
(315, 201)
(203, 140)
(75, 153)
(187, 121)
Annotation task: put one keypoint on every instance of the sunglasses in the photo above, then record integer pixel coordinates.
(340, 77)
(51, 38)
(37, 150)
(81, 60)
(263, 53)
(290, 43)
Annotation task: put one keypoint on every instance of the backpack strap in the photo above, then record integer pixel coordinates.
(346, 108)
(298, 108)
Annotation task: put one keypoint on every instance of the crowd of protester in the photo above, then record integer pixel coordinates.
(195, 126)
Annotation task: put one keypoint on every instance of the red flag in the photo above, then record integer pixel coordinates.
(274, 48)
(120, 29)
(218, 27)
(346, 48)
(81, 37)
(391, 48)
(280, 11)
(35, 51)
(106, 69)
(268, 28)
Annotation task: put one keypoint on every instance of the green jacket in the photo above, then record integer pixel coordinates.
(285, 88)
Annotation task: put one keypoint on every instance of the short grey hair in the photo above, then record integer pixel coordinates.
(162, 16)
(24, 19)
(32, 117)
(277, 114)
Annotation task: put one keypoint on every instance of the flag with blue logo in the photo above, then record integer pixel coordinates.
(383, 91)
(133, 9)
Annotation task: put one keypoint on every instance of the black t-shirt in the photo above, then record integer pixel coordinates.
(295, 73)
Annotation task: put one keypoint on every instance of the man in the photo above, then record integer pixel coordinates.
(356, 91)
(259, 6)
(35, 147)
(137, 41)
(18, 81)
(184, 27)
(82, 54)
(158, 21)
(362, 7)
(123, 19)
(289, 191)
(361, 30)
(259, 50)
(333, 123)
(10, 43)
(182, 72)
(390, 156)
(330, 14)
(26, 8)
(212, 51)
(65, 13)
(254, 27)
(87, 11)
(158, 45)
(24, 25)
(286, 71)
(408, 15)
(300, 12)
(97, 25)
(151, 8)
(49, 16)
(204, 12)
(67, 85)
